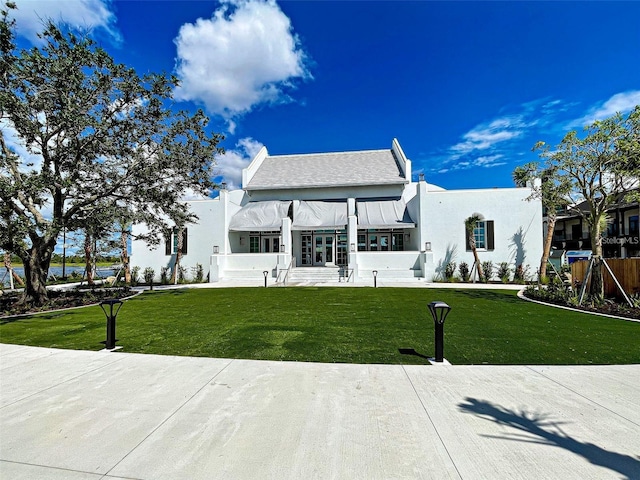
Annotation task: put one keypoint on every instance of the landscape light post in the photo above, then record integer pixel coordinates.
(375, 279)
(111, 309)
(439, 312)
(265, 273)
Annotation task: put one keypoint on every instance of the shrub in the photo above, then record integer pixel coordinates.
(197, 273)
(135, 272)
(182, 274)
(521, 273)
(464, 271)
(449, 271)
(555, 292)
(148, 274)
(487, 271)
(164, 275)
(503, 272)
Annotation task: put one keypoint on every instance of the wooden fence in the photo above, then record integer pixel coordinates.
(626, 270)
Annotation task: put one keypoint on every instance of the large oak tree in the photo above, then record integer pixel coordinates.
(80, 133)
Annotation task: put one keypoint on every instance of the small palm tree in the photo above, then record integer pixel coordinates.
(470, 225)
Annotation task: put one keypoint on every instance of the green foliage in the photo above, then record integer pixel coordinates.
(504, 272)
(449, 271)
(197, 273)
(520, 274)
(464, 271)
(182, 274)
(555, 292)
(108, 143)
(135, 276)
(596, 169)
(487, 271)
(164, 275)
(148, 275)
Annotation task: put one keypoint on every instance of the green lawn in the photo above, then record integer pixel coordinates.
(357, 325)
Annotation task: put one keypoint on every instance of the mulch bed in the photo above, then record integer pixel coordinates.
(60, 299)
(609, 307)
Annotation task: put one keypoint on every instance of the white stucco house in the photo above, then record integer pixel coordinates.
(341, 216)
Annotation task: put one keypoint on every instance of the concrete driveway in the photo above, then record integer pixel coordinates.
(91, 415)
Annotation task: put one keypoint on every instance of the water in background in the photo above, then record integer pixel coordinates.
(57, 272)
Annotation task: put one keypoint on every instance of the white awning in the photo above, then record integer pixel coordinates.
(260, 216)
(384, 214)
(318, 215)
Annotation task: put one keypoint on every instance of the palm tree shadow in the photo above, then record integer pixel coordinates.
(540, 429)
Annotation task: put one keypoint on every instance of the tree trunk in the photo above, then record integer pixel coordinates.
(36, 262)
(124, 257)
(87, 259)
(546, 249)
(8, 266)
(477, 262)
(596, 290)
(176, 266)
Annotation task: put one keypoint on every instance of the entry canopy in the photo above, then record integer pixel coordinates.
(319, 215)
(260, 216)
(384, 214)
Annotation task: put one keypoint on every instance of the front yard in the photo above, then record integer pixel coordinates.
(355, 325)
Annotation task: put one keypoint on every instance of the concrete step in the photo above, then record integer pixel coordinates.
(315, 275)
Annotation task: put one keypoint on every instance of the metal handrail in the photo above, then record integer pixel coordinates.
(286, 273)
(345, 272)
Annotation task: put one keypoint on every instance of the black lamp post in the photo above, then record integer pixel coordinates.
(265, 273)
(111, 309)
(439, 312)
(375, 279)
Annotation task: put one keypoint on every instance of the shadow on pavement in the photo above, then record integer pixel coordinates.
(534, 428)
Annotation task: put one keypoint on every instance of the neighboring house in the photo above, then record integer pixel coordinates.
(344, 215)
(621, 238)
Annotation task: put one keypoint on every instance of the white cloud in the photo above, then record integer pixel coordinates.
(487, 135)
(489, 161)
(28, 161)
(230, 165)
(244, 56)
(619, 103)
(77, 14)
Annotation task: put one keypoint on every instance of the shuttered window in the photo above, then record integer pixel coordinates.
(483, 233)
(171, 243)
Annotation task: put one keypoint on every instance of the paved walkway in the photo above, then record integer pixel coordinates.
(99, 415)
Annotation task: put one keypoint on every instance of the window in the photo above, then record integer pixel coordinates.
(264, 242)
(483, 235)
(362, 242)
(254, 244)
(397, 242)
(633, 225)
(380, 240)
(479, 234)
(171, 243)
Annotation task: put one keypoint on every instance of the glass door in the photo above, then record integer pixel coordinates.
(341, 250)
(306, 250)
(323, 250)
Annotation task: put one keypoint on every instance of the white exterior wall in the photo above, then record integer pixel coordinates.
(210, 230)
(517, 222)
(439, 216)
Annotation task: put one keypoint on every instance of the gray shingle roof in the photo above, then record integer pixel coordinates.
(369, 167)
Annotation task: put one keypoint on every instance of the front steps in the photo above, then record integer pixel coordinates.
(310, 275)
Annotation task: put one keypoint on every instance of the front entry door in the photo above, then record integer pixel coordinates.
(323, 249)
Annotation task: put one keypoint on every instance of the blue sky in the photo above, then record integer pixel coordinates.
(466, 87)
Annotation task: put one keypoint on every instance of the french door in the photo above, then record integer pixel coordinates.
(323, 249)
(320, 249)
